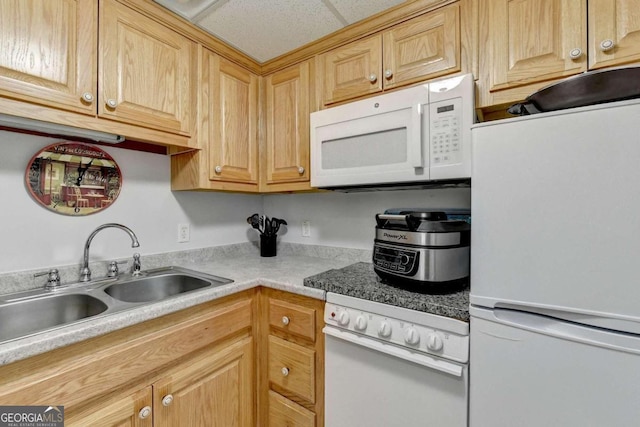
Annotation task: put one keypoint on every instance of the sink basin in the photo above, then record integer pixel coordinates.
(21, 318)
(159, 287)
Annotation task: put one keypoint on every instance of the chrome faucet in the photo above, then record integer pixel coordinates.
(85, 272)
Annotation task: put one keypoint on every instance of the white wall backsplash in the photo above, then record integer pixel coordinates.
(34, 237)
(348, 219)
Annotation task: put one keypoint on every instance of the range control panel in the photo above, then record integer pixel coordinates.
(446, 140)
(404, 333)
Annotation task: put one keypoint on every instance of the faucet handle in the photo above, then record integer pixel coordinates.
(112, 271)
(53, 278)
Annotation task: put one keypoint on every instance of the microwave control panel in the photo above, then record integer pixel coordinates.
(446, 137)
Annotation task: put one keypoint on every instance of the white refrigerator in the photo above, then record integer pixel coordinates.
(555, 269)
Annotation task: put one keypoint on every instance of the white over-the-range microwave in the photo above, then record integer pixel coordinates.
(418, 134)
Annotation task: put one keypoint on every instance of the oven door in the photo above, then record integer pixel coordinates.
(368, 383)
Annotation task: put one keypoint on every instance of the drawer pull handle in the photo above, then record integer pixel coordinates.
(218, 169)
(285, 320)
(300, 170)
(144, 412)
(285, 372)
(167, 400)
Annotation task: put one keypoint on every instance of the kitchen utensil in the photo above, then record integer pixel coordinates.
(267, 226)
(253, 220)
(592, 87)
(277, 223)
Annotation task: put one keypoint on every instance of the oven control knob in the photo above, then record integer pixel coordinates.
(434, 342)
(343, 318)
(361, 323)
(411, 336)
(384, 330)
(404, 259)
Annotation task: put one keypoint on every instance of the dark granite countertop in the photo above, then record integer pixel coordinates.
(360, 281)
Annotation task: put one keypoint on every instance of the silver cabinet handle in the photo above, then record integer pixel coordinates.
(285, 320)
(144, 412)
(388, 74)
(218, 169)
(112, 103)
(285, 372)
(88, 97)
(300, 170)
(166, 401)
(575, 53)
(607, 45)
(373, 78)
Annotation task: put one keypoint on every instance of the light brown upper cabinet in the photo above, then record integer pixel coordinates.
(229, 126)
(48, 53)
(146, 71)
(525, 45)
(285, 150)
(614, 32)
(121, 72)
(422, 48)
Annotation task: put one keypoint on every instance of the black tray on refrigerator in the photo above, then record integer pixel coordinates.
(591, 87)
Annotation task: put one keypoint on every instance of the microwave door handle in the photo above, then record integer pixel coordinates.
(415, 139)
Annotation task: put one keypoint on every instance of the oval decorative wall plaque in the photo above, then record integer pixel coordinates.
(73, 178)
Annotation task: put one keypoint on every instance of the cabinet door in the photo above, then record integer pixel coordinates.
(48, 52)
(213, 390)
(230, 119)
(287, 122)
(614, 32)
(146, 71)
(130, 411)
(423, 48)
(527, 41)
(352, 70)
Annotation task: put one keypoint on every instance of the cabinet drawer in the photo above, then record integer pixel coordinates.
(292, 367)
(293, 319)
(285, 413)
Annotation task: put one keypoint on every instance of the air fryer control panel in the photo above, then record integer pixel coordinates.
(401, 261)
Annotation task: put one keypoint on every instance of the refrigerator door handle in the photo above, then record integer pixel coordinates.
(561, 329)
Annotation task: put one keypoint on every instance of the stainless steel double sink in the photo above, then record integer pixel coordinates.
(26, 313)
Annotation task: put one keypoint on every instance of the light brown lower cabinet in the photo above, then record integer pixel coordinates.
(255, 358)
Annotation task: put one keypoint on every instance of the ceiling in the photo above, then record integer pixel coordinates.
(265, 29)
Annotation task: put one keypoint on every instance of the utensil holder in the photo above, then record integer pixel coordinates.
(268, 245)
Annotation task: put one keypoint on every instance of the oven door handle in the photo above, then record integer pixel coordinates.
(392, 350)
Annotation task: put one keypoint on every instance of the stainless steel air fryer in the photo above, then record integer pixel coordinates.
(423, 250)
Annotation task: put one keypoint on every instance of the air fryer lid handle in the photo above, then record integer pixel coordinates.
(411, 219)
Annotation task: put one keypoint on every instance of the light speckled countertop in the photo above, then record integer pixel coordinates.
(241, 263)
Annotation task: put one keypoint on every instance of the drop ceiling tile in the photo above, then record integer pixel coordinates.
(187, 8)
(356, 10)
(267, 29)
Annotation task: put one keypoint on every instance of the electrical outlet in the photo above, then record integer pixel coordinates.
(306, 228)
(183, 233)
